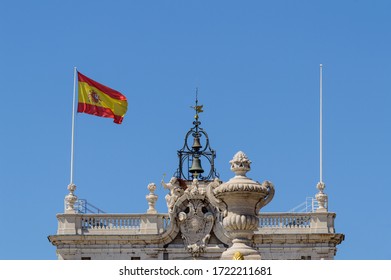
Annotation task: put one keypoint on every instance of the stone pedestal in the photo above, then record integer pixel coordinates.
(150, 224)
(69, 224)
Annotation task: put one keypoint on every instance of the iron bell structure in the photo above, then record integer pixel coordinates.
(191, 155)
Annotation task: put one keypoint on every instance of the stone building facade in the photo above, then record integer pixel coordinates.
(206, 219)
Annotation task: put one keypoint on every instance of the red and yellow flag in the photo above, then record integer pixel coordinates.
(99, 100)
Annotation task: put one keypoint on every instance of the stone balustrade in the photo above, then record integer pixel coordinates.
(296, 223)
(134, 224)
(111, 224)
(107, 224)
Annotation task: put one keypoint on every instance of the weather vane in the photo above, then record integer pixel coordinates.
(197, 108)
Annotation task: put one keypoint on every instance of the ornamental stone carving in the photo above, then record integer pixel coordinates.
(175, 192)
(151, 198)
(196, 224)
(240, 199)
(191, 214)
(321, 197)
(70, 199)
(240, 164)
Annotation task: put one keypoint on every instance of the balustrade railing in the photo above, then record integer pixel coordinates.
(285, 220)
(95, 223)
(141, 223)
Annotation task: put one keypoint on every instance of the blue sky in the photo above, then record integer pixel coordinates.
(256, 64)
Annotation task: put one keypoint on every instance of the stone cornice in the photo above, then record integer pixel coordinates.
(157, 240)
(305, 238)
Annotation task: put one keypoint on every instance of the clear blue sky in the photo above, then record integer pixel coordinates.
(256, 64)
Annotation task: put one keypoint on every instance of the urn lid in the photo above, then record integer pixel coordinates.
(240, 165)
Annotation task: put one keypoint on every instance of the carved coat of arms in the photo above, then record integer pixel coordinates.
(196, 225)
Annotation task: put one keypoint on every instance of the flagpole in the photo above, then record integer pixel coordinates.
(73, 123)
(321, 197)
(320, 126)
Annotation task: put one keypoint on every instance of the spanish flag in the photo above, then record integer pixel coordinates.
(99, 100)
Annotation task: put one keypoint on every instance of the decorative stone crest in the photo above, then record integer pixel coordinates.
(194, 190)
(196, 224)
(188, 211)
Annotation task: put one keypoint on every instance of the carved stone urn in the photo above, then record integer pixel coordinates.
(240, 199)
(70, 200)
(151, 198)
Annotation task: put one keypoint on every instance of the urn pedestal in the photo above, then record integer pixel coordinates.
(241, 199)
